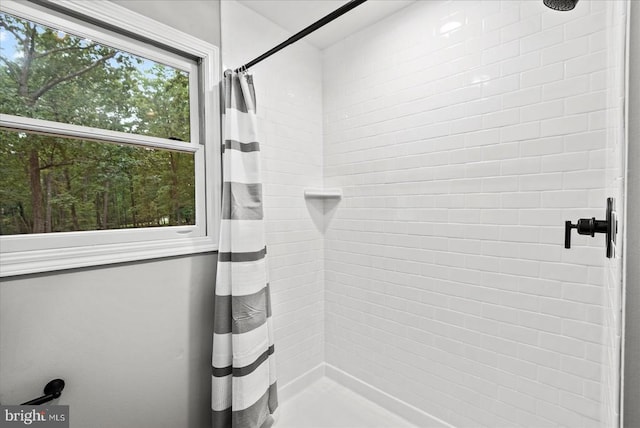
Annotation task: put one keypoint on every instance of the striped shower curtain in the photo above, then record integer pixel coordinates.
(243, 391)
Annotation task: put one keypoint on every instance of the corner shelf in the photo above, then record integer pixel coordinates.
(323, 193)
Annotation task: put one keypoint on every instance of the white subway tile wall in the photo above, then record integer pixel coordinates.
(289, 99)
(463, 135)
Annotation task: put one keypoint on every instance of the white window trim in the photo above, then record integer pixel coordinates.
(48, 127)
(125, 245)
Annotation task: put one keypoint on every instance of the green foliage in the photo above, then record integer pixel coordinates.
(53, 184)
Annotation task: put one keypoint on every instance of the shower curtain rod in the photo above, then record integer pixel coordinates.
(308, 30)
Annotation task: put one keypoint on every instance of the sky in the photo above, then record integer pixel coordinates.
(9, 49)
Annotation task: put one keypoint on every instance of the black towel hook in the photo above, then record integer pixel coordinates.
(52, 390)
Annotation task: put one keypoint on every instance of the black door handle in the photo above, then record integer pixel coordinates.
(591, 226)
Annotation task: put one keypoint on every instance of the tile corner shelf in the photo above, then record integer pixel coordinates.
(323, 193)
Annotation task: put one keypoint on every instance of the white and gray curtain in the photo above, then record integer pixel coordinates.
(243, 366)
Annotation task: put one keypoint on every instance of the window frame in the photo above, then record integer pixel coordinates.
(36, 253)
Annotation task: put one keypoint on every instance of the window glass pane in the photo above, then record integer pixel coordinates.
(49, 74)
(52, 184)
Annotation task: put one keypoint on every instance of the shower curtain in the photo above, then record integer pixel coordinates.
(243, 390)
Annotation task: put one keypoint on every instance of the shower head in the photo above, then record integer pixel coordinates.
(562, 5)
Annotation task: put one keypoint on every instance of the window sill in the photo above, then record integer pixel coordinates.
(41, 261)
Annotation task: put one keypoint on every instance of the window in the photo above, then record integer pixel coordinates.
(109, 145)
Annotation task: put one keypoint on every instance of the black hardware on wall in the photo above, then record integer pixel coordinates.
(52, 391)
(591, 226)
(562, 5)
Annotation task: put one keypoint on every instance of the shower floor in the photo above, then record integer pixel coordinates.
(327, 404)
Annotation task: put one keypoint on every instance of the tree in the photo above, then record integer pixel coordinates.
(49, 183)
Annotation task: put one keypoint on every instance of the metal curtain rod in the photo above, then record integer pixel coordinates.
(299, 35)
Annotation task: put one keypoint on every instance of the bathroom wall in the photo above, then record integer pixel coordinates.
(615, 153)
(463, 135)
(289, 102)
(632, 245)
(126, 338)
(200, 18)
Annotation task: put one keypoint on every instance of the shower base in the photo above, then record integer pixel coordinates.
(327, 404)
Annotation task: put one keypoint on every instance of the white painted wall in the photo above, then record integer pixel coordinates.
(632, 322)
(463, 135)
(289, 102)
(615, 151)
(132, 341)
(200, 18)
